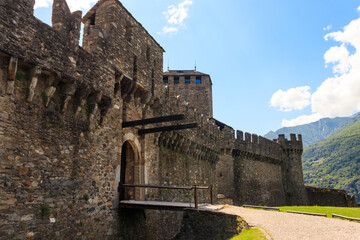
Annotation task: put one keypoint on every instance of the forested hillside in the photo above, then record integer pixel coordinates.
(335, 161)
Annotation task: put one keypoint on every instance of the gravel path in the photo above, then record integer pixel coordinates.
(290, 226)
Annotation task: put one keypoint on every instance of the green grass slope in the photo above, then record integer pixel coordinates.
(312, 132)
(335, 161)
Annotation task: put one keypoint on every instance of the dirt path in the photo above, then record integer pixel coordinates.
(283, 226)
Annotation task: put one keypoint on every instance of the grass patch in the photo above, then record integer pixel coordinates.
(45, 210)
(344, 211)
(250, 234)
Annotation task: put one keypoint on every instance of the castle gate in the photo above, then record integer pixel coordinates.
(130, 172)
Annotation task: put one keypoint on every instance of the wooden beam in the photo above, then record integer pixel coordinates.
(153, 120)
(168, 128)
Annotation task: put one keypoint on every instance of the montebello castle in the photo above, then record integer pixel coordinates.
(79, 122)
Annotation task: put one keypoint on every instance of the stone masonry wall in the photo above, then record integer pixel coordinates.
(329, 197)
(61, 135)
(54, 167)
(292, 170)
(200, 225)
(264, 172)
(225, 174)
(258, 183)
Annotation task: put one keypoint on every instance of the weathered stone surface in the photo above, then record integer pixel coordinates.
(210, 225)
(14, 218)
(63, 150)
(330, 197)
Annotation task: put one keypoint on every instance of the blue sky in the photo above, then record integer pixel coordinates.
(273, 63)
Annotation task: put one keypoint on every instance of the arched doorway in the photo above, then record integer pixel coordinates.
(129, 170)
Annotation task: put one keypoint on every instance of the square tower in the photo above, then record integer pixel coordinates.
(191, 86)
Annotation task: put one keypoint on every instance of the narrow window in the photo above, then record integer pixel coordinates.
(166, 79)
(176, 80)
(198, 80)
(152, 81)
(187, 79)
(135, 68)
(128, 31)
(148, 54)
(92, 19)
(116, 88)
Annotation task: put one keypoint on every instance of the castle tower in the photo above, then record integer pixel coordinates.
(193, 87)
(112, 32)
(292, 172)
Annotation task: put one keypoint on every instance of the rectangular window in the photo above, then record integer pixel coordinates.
(128, 31)
(166, 80)
(148, 54)
(198, 80)
(176, 80)
(92, 19)
(187, 79)
(135, 67)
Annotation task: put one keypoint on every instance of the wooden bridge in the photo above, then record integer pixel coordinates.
(158, 205)
(143, 204)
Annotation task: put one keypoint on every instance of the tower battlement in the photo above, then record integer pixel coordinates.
(295, 142)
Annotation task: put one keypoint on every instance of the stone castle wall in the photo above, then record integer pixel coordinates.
(258, 183)
(63, 148)
(329, 197)
(258, 171)
(262, 172)
(61, 135)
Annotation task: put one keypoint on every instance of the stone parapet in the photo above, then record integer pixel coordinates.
(257, 147)
(329, 197)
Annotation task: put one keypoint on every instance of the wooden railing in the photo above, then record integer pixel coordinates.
(194, 188)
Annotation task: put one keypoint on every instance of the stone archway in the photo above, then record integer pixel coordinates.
(130, 170)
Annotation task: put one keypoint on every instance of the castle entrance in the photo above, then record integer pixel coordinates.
(129, 173)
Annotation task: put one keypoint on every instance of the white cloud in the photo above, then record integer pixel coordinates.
(168, 29)
(42, 3)
(338, 96)
(74, 5)
(175, 16)
(292, 99)
(327, 28)
(304, 119)
(83, 5)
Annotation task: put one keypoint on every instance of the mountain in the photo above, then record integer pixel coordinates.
(335, 161)
(312, 132)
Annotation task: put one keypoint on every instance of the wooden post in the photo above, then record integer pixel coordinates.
(211, 195)
(196, 197)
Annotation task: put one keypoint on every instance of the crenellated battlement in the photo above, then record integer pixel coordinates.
(294, 144)
(257, 145)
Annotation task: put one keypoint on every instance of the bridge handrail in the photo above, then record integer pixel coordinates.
(195, 188)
